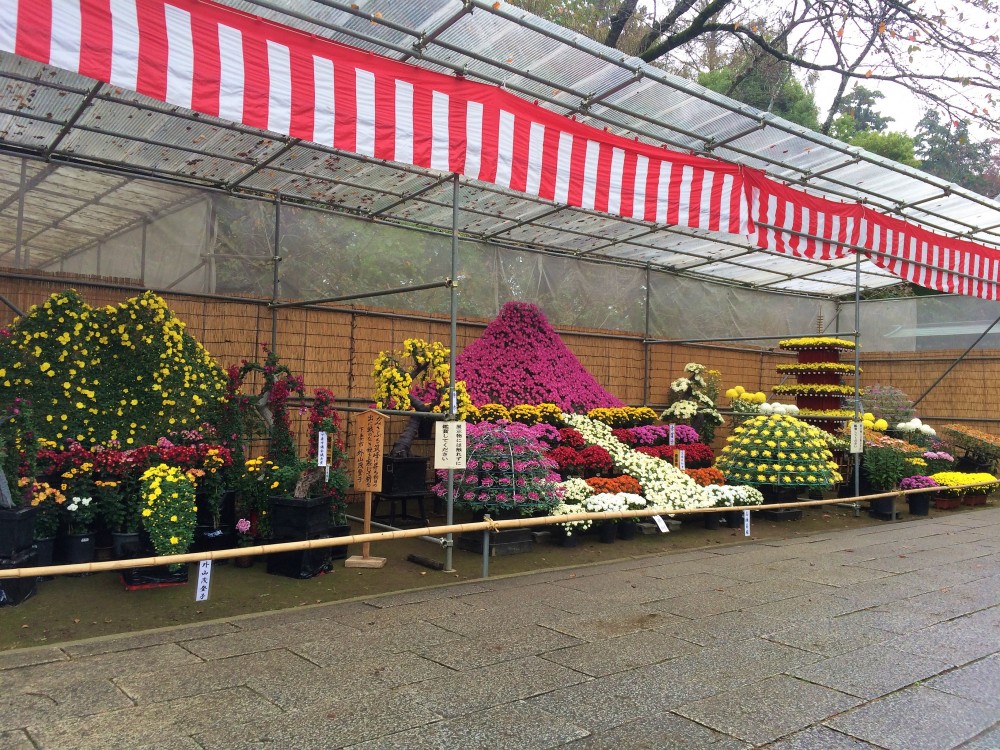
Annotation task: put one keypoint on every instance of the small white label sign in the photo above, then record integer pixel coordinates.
(681, 464)
(321, 449)
(204, 580)
(449, 445)
(662, 524)
(857, 437)
(673, 433)
(746, 523)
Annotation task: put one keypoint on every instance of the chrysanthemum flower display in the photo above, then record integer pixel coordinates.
(169, 512)
(734, 495)
(128, 373)
(520, 359)
(954, 479)
(664, 486)
(819, 393)
(505, 471)
(778, 450)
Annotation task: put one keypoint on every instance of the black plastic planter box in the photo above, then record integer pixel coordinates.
(13, 591)
(294, 518)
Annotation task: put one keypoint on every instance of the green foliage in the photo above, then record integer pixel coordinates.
(768, 86)
(18, 448)
(892, 145)
(859, 107)
(884, 467)
(948, 151)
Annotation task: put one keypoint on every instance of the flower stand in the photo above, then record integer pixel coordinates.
(305, 564)
(155, 577)
(503, 542)
(881, 508)
(734, 519)
(13, 591)
(627, 529)
(942, 502)
(607, 532)
(779, 496)
(919, 505)
(44, 549)
(17, 529)
(125, 545)
(971, 499)
(78, 548)
(404, 474)
(812, 354)
(713, 520)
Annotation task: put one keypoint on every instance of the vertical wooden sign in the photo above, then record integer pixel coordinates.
(369, 436)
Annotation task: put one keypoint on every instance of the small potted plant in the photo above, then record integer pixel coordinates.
(883, 467)
(79, 513)
(987, 483)
(49, 502)
(692, 400)
(730, 496)
(951, 492)
(244, 538)
(169, 515)
(919, 504)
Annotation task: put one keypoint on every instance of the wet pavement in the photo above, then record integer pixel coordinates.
(881, 637)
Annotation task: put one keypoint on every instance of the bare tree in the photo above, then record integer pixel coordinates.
(948, 57)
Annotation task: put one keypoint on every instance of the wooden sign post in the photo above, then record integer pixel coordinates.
(369, 434)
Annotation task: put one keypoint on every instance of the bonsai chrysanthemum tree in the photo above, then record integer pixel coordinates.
(416, 379)
(778, 450)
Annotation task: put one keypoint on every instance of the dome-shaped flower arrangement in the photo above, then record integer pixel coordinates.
(505, 471)
(778, 450)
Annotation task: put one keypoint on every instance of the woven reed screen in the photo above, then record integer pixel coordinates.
(335, 349)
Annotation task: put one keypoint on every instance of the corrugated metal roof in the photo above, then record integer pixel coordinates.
(63, 117)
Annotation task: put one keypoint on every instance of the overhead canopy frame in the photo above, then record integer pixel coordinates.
(62, 117)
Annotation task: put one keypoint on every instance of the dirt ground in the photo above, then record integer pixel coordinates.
(70, 608)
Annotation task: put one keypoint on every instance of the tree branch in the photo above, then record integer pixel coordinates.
(625, 11)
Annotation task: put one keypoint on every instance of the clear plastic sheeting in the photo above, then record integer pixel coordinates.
(574, 292)
(169, 253)
(686, 308)
(914, 324)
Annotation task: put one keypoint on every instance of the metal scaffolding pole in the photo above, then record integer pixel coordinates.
(363, 295)
(740, 338)
(275, 278)
(453, 343)
(955, 364)
(857, 371)
(645, 345)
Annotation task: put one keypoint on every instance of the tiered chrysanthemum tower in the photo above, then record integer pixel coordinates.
(819, 390)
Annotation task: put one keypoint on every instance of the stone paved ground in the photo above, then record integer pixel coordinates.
(882, 637)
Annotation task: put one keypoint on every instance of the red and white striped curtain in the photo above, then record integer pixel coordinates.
(216, 60)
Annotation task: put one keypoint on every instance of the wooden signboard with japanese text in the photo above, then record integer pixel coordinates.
(369, 436)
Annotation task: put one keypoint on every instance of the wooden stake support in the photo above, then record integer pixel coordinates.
(365, 560)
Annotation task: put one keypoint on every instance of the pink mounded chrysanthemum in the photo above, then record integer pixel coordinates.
(520, 359)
